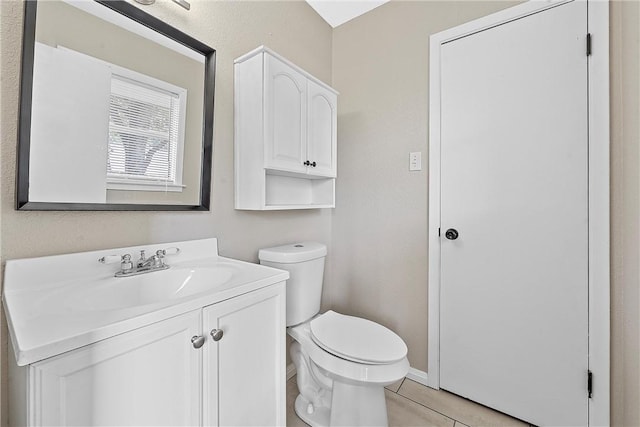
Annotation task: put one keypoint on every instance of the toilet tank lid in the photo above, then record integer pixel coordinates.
(293, 252)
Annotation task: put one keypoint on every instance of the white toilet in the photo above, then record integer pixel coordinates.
(342, 362)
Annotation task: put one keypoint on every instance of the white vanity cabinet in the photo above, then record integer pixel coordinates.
(245, 372)
(149, 376)
(155, 375)
(285, 135)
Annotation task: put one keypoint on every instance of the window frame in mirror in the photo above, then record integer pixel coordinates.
(24, 124)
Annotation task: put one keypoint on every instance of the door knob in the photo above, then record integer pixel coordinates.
(217, 334)
(197, 341)
(451, 234)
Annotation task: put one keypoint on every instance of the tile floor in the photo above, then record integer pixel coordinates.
(412, 404)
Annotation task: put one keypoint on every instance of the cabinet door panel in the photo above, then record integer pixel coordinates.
(149, 376)
(322, 130)
(285, 117)
(244, 372)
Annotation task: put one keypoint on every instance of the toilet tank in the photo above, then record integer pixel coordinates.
(305, 263)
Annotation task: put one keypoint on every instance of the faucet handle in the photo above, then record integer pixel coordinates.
(161, 253)
(169, 251)
(110, 259)
(142, 256)
(125, 261)
(126, 265)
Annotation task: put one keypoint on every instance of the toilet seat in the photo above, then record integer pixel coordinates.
(356, 339)
(339, 367)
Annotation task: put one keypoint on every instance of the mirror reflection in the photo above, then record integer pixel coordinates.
(117, 110)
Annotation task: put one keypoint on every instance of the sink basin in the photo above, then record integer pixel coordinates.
(59, 303)
(150, 288)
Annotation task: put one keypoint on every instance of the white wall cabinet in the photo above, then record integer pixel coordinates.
(155, 376)
(285, 116)
(285, 135)
(322, 129)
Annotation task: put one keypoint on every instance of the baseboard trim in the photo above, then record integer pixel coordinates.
(413, 374)
(418, 376)
(291, 371)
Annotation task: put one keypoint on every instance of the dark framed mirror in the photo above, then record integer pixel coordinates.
(116, 110)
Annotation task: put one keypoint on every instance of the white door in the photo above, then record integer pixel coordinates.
(321, 130)
(285, 117)
(244, 365)
(514, 285)
(147, 377)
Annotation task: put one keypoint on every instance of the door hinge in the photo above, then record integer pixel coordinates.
(590, 384)
(588, 44)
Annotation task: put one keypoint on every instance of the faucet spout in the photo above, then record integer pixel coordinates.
(152, 261)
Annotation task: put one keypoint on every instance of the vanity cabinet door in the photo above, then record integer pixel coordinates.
(285, 128)
(244, 370)
(149, 376)
(321, 130)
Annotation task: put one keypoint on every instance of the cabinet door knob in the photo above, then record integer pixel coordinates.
(307, 163)
(313, 164)
(217, 334)
(197, 341)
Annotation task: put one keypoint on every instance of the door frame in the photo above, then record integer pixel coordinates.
(598, 193)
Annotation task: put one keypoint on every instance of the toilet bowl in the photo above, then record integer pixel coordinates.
(341, 381)
(342, 362)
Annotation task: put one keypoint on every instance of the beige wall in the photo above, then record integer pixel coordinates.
(625, 213)
(291, 28)
(380, 67)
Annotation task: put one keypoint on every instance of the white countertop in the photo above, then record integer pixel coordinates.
(46, 318)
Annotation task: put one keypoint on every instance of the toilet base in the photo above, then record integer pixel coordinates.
(341, 392)
(358, 405)
(320, 416)
(351, 405)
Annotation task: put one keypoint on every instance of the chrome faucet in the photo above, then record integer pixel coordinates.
(152, 261)
(144, 264)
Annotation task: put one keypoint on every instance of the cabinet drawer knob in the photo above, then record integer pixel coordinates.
(197, 341)
(217, 334)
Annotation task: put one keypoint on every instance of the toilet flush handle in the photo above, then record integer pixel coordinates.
(216, 334)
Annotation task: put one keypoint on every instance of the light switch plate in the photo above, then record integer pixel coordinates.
(415, 161)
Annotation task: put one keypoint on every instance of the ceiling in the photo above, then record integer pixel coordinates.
(337, 12)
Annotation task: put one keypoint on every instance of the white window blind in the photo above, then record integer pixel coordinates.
(144, 128)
